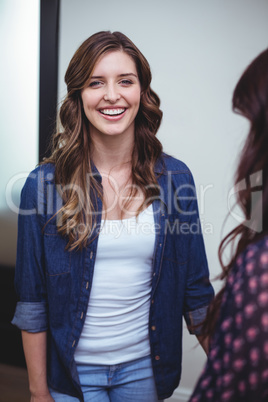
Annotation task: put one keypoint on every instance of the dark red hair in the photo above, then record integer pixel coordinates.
(250, 99)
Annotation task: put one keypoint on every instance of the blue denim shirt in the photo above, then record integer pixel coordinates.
(54, 284)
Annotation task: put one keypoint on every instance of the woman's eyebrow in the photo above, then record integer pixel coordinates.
(94, 77)
(128, 74)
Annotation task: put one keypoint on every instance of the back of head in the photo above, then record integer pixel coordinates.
(250, 99)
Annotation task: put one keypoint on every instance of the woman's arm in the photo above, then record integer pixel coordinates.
(35, 347)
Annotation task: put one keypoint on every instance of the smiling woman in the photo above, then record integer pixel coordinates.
(112, 99)
(104, 273)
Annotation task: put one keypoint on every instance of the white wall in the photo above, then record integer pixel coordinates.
(19, 96)
(197, 51)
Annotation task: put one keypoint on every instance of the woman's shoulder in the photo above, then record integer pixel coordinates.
(173, 164)
(255, 257)
(174, 168)
(38, 177)
(44, 169)
(42, 173)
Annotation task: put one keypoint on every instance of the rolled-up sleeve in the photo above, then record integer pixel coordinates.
(30, 278)
(30, 316)
(194, 320)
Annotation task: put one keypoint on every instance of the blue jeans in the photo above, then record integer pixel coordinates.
(127, 382)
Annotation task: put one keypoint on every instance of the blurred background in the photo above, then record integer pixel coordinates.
(197, 52)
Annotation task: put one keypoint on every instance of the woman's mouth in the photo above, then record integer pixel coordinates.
(112, 112)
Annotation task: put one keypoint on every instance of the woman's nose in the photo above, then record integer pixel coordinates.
(112, 94)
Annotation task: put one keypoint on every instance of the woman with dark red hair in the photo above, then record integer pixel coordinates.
(237, 321)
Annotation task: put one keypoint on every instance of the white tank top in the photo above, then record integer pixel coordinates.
(116, 325)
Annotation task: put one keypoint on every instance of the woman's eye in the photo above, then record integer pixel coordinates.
(126, 82)
(94, 84)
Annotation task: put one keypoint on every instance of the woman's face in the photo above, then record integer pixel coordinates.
(112, 98)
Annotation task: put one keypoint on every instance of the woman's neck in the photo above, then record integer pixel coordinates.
(112, 156)
(112, 153)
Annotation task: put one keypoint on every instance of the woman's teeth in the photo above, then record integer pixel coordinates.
(112, 112)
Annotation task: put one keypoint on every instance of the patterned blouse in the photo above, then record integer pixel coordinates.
(237, 365)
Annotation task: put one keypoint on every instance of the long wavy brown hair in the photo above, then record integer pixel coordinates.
(71, 146)
(250, 99)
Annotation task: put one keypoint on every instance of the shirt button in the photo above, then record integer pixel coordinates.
(82, 315)
(153, 301)
(154, 274)
(73, 344)
(153, 327)
(160, 245)
(91, 255)
(87, 285)
(157, 357)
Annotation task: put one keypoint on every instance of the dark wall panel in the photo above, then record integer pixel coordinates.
(49, 30)
(11, 345)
